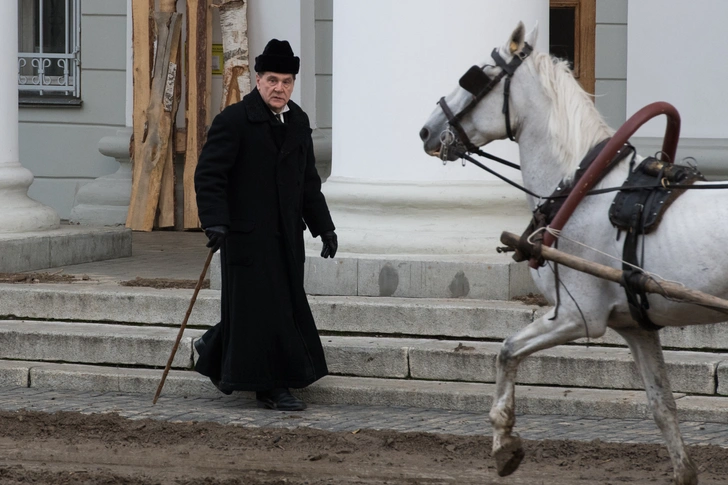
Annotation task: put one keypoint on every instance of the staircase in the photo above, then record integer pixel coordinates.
(405, 332)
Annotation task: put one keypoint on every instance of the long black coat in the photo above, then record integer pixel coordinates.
(258, 177)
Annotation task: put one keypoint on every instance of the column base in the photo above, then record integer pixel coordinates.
(428, 218)
(105, 201)
(20, 213)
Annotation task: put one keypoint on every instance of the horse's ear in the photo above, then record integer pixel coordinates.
(532, 36)
(517, 39)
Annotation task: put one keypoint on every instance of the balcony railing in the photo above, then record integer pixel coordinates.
(41, 73)
(53, 34)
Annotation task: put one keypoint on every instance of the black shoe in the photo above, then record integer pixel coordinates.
(225, 391)
(279, 399)
(200, 347)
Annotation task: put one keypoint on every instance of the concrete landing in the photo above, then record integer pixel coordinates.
(67, 245)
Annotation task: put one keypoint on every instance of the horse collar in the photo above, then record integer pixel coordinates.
(479, 84)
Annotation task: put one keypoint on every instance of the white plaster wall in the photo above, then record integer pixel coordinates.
(393, 60)
(676, 54)
(129, 107)
(59, 146)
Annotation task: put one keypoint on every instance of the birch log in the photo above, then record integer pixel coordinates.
(236, 68)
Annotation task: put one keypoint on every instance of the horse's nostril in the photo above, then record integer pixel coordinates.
(424, 134)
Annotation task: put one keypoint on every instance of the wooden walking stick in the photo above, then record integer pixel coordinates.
(184, 324)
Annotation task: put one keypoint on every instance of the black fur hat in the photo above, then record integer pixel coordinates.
(277, 57)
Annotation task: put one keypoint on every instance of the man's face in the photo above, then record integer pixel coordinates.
(275, 88)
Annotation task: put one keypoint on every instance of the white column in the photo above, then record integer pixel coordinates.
(392, 62)
(19, 212)
(697, 88)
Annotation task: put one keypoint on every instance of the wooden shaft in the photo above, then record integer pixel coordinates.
(665, 288)
(184, 324)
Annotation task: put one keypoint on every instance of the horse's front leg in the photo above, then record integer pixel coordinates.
(647, 354)
(541, 334)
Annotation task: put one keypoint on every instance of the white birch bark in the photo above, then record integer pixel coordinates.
(236, 68)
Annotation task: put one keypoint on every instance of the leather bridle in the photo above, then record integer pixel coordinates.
(479, 84)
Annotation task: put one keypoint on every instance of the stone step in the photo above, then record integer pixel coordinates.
(113, 303)
(108, 302)
(485, 277)
(567, 365)
(423, 359)
(474, 397)
(476, 319)
(426, 317)
(95, 343)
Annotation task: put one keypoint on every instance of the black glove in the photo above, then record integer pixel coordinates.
(331, 244)
(216, 236)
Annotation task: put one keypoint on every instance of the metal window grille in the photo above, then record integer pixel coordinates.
(49, 56)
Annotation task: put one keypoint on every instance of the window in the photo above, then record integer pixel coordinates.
(571, 27)
(49, 52)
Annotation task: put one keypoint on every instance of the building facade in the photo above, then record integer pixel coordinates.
(371, 73)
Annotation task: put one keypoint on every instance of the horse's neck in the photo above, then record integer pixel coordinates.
(541, 174)
(559, 124)
(541, 166)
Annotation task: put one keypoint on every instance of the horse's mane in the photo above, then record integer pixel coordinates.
(575, 125)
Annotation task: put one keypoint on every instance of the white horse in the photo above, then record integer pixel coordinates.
(555, 124)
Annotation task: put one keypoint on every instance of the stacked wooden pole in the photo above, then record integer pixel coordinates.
(199, 82)
(157, 92)
(155, 155)
(143, 31)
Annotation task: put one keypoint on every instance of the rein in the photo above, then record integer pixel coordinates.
(607, 190)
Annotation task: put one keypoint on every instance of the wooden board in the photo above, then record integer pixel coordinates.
(166, 212)
(142, 32)
(199, 77)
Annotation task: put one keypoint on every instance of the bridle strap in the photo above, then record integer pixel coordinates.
(510, 68)
(506, 111)
(455, 123)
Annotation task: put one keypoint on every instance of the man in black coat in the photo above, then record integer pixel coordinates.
(257, 191)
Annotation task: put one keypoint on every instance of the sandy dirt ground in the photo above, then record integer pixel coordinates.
(73, 448)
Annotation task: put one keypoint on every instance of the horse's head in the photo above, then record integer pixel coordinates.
(478, 110)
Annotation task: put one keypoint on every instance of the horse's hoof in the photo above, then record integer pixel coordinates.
(686, 473)
(508, 455)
